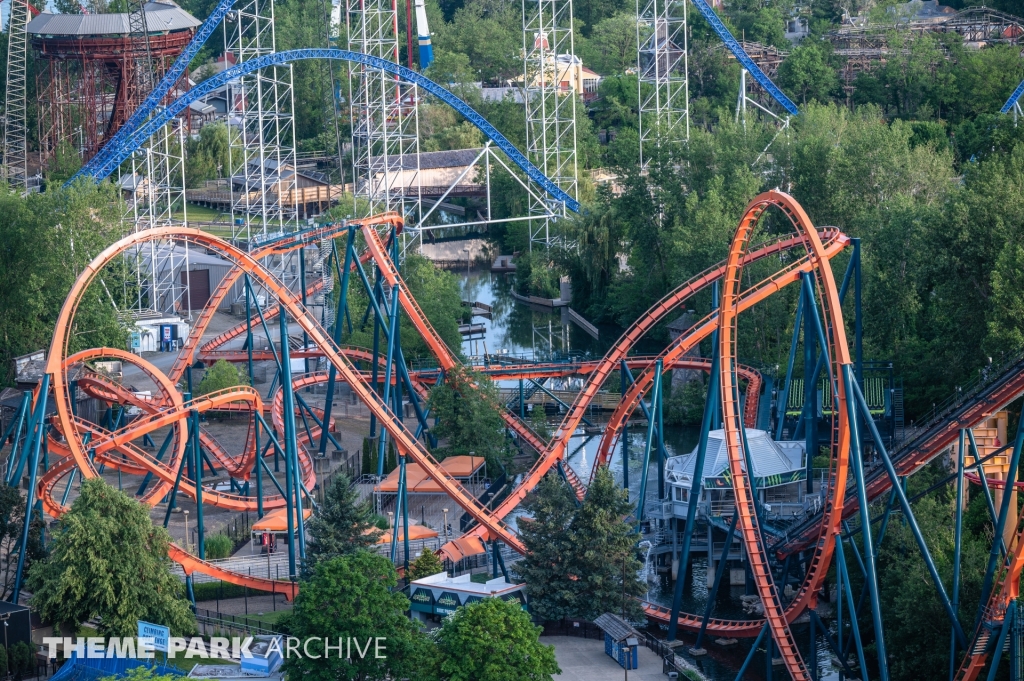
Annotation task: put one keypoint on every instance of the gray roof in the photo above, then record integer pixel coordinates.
(161, 17)
(616, 627)
(769, 458)
(429, 160)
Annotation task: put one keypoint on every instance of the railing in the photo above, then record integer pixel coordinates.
(210, 621)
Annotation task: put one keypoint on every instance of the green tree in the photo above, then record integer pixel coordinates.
(578, 558)
(351, 596)
(140, 674)
(48, 240)
(221, 375)
(467, 408)
(611, 48)
(64, 163)
(808, 73)
(12, 515)
(108, 561)
(341, 526)
(425, 565)
(494, 640)
(206, 156)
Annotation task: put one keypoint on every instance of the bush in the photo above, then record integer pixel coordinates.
(211, 591)
(3, 659)
(221, 375)
(21, 659)
(219, 546)
(427, 564)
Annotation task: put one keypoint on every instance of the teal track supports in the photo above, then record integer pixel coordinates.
(984, 487)
(810, 384)
(857, 463)
(719, 574)
(257, 469)
(149, 476)
(405, 515)
(332, 373)
(197, 466)
(997, 654)
(34, 436)
(844, 586)
(290, 453)
(388, 371)
(908, 513)
(374, 371)
(399, 499)
(248, 327)
(1004, 508)
(957, 543)
(623, 369)
(750, 655)
(695, 489)
(655, 401)
(172, 496)
(522, 401)
(17, 424)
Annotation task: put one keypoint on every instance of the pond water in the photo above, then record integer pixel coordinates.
(519, 329)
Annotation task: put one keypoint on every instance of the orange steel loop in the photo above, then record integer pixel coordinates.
(732, 419)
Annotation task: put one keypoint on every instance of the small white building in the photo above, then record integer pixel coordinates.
(439, 595)
(779, 474)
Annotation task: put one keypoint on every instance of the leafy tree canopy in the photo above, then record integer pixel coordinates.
(351, 596)
(109, 561)
(495, 640)
(466, 406)
(221, 375)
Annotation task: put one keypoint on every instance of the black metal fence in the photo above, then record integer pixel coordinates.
(211, 622)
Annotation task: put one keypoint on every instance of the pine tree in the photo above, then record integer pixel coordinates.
(340, 526)
(391, 462)
(367, 470)
(546, 568)
(427, 564)
(578, 557)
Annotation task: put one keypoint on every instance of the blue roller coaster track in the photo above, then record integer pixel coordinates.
(744, 58)
(1013, 98)
(123, 148)
(129, 137)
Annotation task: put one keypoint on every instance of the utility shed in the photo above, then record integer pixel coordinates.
(621, 640)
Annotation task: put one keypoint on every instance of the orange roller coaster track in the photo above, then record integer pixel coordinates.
(168, 409)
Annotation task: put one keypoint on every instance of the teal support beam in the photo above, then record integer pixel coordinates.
(957, 544)
(17, 424)
(997, 654)
(522, 401)
(289, 442)
(908, 513)
(719, 573)
(248, 328)
(1004, 508)
(399, 503)
(623, 369)
(257, 469)
(332, 372)
(172, 496)
(857, 463)
(696, 487)
(750, 655)
(35, 435)
(388, 371)
(198, 468)
(655, 399)
(984, 486)
(843, 576)
(810, 386)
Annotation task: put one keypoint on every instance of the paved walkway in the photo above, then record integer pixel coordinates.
(584, 659)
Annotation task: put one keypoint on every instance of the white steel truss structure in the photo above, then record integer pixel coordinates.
(549, 69)
(663, 65)
(385, 119)
(261, 124)
(15, 152)
(155, 188)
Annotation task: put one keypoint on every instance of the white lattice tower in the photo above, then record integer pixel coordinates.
(262, 136)
(156, 185)
(385, 120)
(663, 65)
(549, 76)
(15, 152)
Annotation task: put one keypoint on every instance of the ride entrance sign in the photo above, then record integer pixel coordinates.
(159, 634)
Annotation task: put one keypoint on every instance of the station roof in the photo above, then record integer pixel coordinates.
(774, 462)
(464, 584)
(161, 17)
(417, 481)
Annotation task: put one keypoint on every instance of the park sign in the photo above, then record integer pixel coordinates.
(159, 634)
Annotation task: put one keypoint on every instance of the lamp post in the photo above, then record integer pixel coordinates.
(186, 531)
(6, 616)
(445, 511)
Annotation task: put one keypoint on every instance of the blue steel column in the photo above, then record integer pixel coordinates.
(398, 511)
(625, 430)
(696, 485)
(374, 371)
(857, 463)
(908, 513)
(35, 435)
(655, 400)
(197, 467)
(957, 544)
(661, 444)
(844, 586)
(289, 440)
(332, 373)
(388, 370)
(810, 386)
(248, 325)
